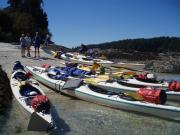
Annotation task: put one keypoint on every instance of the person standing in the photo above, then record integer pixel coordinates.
(28, 44)
(37, 43)
(23, 45)
(47, 40)
(83, 49)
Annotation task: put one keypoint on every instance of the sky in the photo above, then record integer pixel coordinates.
(76, 22)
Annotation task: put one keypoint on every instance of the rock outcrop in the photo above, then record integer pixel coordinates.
(164, 66)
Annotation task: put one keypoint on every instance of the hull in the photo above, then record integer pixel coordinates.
(116, 87)
(45, 117)
(84, 92)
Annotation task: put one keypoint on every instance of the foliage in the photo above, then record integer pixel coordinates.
(5, 27)
(159, 44)
(22, 16)
(136, 49)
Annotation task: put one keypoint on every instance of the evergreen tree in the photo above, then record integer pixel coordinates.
(25, 16)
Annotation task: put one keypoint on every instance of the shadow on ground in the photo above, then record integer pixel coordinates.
(4, 117)
(61, 127)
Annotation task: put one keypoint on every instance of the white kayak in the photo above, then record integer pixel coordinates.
(135, 66)
(136, 82)
(118, 86)
(87, 93)
(78, 58)
(39, 121)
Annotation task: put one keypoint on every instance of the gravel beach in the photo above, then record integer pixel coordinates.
(73, 116)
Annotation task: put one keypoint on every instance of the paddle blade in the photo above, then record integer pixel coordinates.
(90, 81)
(36, 123)
(94, 81)
(134, 95)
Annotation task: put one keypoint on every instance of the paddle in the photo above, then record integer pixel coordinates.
(130, 95)
(131, 69)
(23, 97)
(133, 95)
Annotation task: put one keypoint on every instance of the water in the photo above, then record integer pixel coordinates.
(169, 77)
(77, 117)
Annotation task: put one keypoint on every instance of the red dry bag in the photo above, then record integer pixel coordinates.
(174, 86)
(156, 96)
(40, 103)
(46, 65)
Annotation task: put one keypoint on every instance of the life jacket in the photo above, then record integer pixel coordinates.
(41, 103)
(57, 74)
(78, 72)
(17, 65)
(21, 76)
(62, 77)
(70, 64)
(28, 74)
(174, 86)
(45, 65)
(95, 66)
(74, 71)
(156, 96)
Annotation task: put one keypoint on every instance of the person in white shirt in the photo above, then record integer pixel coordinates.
(28, 44)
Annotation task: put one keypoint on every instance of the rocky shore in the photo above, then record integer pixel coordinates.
(168, 62)
(165, 63)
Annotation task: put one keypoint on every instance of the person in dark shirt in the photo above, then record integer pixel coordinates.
(37, 43)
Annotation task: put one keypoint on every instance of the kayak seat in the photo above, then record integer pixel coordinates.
(21, 76)
(32, 93)
(28, 90)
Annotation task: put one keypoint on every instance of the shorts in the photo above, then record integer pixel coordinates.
(28, 45)
(36, 46)
(23, 46)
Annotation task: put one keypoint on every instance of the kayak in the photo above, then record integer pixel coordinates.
(118, 86)
(113, 82)
(110, 70)
(135, 66)
(77, 88)
(78, 58)
(25, 92)
(81, 59)
(139, 82)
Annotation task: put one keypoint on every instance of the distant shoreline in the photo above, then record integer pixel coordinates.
(163, 62)
(168, 62)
